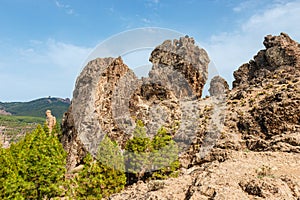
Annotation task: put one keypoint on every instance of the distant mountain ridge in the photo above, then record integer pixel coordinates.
(37, 108)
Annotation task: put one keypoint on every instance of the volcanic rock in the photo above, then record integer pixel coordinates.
(218, 86)
(108, 98)
(268, 91)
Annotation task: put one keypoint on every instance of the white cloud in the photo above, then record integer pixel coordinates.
(229, 50)
(68, 9)
(66, 56)
(152, 4)
(245, 5)
(146, 21)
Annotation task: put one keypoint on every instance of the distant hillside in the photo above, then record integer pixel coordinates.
(12, 128)
(37, 108)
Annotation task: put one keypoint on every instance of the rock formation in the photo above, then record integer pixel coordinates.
(269, 91)
(244, 145)
(50, 120)
(256, 155)
(218, 86)
(108, 98)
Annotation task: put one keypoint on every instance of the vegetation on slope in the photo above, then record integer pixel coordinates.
(147, 158)
(34, 167)
(14, 126)
(37, 108)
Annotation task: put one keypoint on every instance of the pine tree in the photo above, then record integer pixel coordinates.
(109, 155)
(137, 154)
(110, 158)
(103, 176)
(164, 155)
(10, 180)
(89, 182)
(146, 158)
(34, 167)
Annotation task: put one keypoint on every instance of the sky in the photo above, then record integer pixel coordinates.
(44, 43)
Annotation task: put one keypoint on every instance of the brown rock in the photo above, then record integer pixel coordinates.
(50, 120)
(218, 86)
(269, 115)
(108, 98)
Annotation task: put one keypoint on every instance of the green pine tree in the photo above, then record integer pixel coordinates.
(110, 158)
(10, 181)
(36, 166)
(103, 176)
(109, 154)
(146, 158)
(164, 155)
(137, 154)
(89, 182)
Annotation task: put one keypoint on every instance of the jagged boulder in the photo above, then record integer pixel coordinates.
(281, 51)
(244, 145)
(268, 90)
(185, 57)
(218, 86)
(108, 98)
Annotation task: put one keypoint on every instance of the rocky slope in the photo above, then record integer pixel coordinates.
(242, 143)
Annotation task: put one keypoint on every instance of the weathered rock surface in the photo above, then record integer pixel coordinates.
(268, 93)
(185, 57)
(108, 98)
(245, 145)
(218, 86)
(50, 120)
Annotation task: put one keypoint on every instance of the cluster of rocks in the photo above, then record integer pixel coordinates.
(242, 143)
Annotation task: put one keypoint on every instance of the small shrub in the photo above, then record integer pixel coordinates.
(264, 171)
(150, 159)
(103, 176)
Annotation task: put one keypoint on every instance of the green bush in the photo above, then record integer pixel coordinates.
(104, 176)
(146, 158)
(137, 154)
(33, 168)
(165, 155)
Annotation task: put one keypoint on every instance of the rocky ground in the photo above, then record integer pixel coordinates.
(243, 175)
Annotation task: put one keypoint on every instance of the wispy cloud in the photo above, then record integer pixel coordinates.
(231, 49)
(245, 5)
(146, 21)
(153, 4)
(66, 7)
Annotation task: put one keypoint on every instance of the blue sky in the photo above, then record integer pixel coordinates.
(43, 43)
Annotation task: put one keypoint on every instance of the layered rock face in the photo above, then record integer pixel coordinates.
(244, 143)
